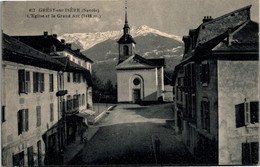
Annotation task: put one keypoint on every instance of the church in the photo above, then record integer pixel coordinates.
(138, 79)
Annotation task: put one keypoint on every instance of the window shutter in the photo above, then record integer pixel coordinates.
(255, 152)
(51, 112)
(21, 79)
(20, 123)
(245, 153)
(27, 82)
(34, 82)
(254, 111)
(51, 83)
(41, 82)
(38, 111)
(26, 120)
(240, 116)
(247, 112)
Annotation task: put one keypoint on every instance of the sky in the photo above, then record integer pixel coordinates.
(170, 16)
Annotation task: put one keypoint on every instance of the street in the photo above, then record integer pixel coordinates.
(126, 136)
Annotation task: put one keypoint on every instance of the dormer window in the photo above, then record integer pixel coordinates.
(126, 50)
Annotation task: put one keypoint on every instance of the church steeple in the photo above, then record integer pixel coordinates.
(126, 42)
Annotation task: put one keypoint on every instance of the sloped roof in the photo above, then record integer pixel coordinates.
(245, 38)
(136, 62)
(44, 43)
(16, 51)
(220, 25)
(126, 39)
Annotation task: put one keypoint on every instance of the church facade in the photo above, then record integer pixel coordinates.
(138, 79)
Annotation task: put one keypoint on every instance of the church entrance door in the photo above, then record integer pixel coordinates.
(136, 95)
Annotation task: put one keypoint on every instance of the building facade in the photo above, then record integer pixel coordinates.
(216, 90)
(138, 79)
(34, 90)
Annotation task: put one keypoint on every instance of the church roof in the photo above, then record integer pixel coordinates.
(138, 62)
(126, 39)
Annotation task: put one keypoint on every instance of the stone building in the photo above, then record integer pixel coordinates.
(216, 90)
(138, 79)
(34, 85)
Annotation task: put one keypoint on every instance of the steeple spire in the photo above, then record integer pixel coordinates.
(126, 12)
(126, 26)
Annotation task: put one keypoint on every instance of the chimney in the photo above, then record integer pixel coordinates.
(45, 34)
(230, 37)
(63, 41)
(54, 36)
(206, 19)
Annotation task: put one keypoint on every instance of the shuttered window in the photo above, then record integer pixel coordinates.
(30, 156)
(24, 81)
(38, 113)
(39, 150)
(26, 120)
(51, 112)
(247, 113)
(74, 77)
(21, 79)
(38, 82)
(27, 82)
(35, 85)
(3, 114)
(51, 82)
(23, 120)
(18, 159)
(41, 82)
(250, 153)
(20, 121)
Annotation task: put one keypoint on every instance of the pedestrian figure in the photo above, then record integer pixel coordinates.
(157, 143)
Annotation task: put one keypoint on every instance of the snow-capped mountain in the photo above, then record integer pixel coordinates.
(88, 40)
(102, 48)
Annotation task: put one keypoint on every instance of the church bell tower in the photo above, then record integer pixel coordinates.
(126, 44)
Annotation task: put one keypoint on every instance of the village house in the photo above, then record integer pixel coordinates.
(138, 79)
(40, 94)
(74, 80)
(216, 90)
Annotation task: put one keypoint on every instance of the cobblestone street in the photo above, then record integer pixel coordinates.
(126, 137)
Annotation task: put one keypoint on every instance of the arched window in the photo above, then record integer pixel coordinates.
(126, 50)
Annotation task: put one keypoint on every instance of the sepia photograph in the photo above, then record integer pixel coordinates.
(130, 82)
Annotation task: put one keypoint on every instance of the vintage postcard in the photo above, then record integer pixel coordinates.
(130, 82)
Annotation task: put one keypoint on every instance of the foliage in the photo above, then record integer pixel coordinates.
(103, 92)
